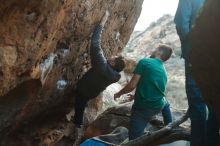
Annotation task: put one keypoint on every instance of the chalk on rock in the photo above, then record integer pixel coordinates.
(61, 84)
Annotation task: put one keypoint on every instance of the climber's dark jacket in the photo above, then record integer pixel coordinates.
(101, 74)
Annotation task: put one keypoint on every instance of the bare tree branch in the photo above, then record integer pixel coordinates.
(168, 131)
(178, 133)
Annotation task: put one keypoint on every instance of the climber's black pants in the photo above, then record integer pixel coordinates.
(79, 105)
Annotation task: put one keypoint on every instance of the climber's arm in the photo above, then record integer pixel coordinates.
(97, 58)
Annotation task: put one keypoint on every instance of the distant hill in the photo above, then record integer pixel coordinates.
(160, 32)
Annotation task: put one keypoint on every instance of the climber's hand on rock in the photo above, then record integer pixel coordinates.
(104, 18)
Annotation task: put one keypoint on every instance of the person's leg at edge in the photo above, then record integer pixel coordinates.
(213, 125)
(79, 105)
(197, 109)
(138, 121)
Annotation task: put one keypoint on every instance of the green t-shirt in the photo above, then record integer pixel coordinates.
(150, 91)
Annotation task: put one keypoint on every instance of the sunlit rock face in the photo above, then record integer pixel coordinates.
(44, 51)
(205, 53)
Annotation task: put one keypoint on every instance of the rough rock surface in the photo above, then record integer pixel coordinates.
(109, 120)
(205, 53)
(44, 51)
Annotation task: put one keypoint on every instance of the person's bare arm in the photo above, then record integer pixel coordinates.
(129, 87)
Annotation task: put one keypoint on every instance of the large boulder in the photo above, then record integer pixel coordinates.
(205, 52)
(44, 52)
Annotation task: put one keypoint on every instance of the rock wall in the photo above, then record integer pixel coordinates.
(205, 53)
(44, 51)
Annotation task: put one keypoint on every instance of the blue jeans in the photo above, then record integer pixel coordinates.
(167, 115)
(197, 109)
(212, 138)
(139, 120)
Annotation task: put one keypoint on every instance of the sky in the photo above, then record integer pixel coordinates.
(152, 10)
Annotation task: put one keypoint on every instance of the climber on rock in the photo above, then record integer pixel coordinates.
(102, 73)
(150, 81)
